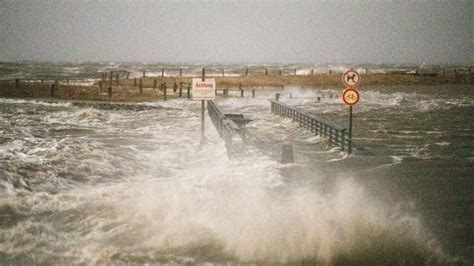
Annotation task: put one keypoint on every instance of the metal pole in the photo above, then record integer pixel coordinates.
(349, 150)
(202, 109)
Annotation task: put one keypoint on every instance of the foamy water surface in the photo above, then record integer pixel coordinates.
(83, 185)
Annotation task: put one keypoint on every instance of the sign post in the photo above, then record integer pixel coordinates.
(202, 108)
(203, 90)
(350, 97)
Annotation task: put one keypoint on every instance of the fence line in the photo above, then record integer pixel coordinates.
(336, 134)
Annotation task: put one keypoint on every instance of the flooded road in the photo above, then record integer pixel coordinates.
(83, 185)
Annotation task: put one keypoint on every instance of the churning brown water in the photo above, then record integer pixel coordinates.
(81, 185)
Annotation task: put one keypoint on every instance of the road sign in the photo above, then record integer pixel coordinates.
(204, 90)
(351, 78)
(350, 96)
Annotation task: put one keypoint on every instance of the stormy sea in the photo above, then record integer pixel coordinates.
(92, 186)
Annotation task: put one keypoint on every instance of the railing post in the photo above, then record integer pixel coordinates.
(277, 97)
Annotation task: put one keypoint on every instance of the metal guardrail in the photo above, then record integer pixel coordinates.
(336, 134)
(232, 133)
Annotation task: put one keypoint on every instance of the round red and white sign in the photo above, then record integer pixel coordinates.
(350, 96)
(351, 78)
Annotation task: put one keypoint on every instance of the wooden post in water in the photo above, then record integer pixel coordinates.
(241, 93)
(67, 81)
(165, 97)
(155, 82)
(175, 87)
(144, 73)
(162, 72)
(319, 99)
(180, 94)
(287, 154)
(180, 72)
(100, 86)
(128, 74)
(188, 92)
(246, 71)
(312, 72)
(111, 78)
(253, 93)
(110, 84)
(17, 84)
(280, 72)
(295, 71)
(135, 82)
(53, 89)
(223, 72)
(117, 80)
(277, 97)
(366, 71)
(141, 86)
(266, 71)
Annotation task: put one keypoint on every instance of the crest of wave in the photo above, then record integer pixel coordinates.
(243, 211)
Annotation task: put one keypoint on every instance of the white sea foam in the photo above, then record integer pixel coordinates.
(148, 192)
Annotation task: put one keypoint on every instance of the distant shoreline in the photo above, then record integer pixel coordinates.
(128, 90)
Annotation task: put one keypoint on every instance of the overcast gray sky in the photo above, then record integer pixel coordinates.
(238, 31)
